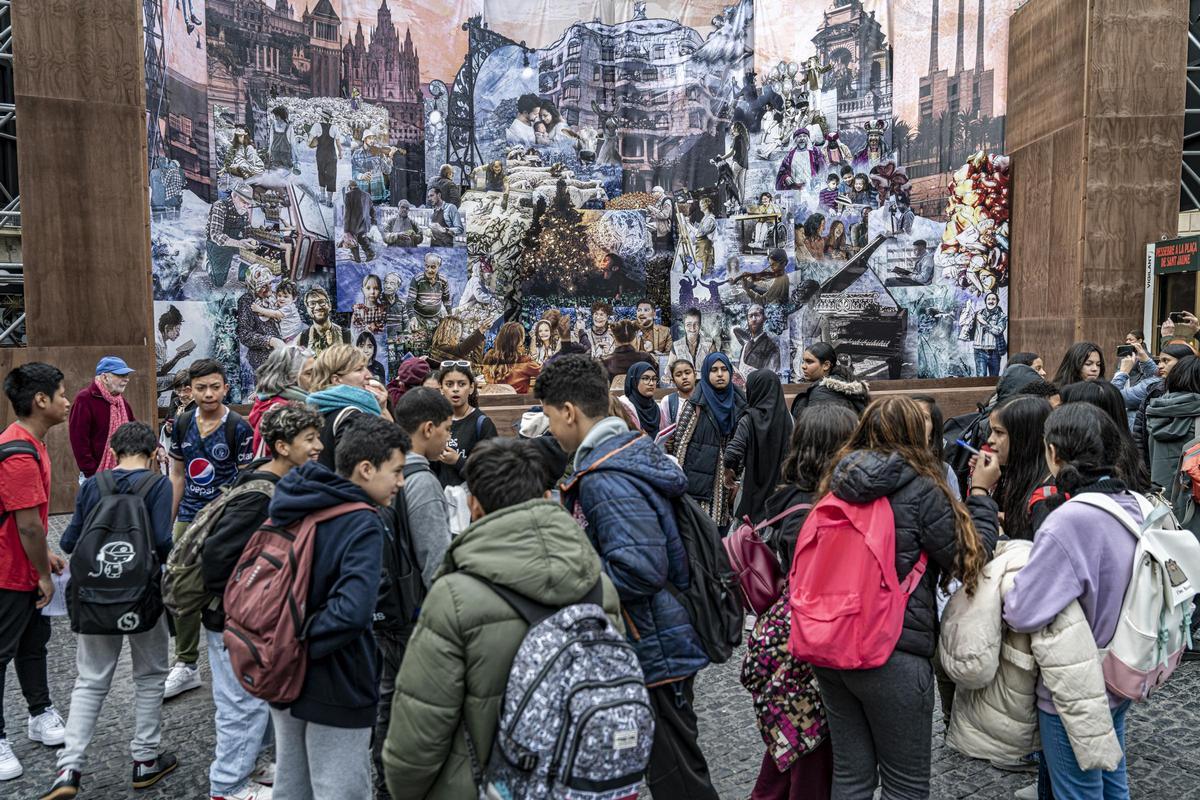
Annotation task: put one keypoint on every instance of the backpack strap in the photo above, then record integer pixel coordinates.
(232, 418)
(1106, 503)
(179, 432)
(414, 468)
(105, 483)
(341, 417)
(146, 484)
(479, 424)
(532, 611)
(787, 512)
(16, 447)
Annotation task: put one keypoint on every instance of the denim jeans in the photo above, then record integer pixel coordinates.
(243, 724)
(1068, 780)
(987, 363)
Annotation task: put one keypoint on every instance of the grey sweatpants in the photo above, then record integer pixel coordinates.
(881, 726)
(319, 762)
(96, 660)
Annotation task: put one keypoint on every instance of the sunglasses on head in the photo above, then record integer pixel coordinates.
(456, 364)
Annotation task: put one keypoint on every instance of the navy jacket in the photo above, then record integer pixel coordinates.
(341, 688)
(158, 503)
(624, 489)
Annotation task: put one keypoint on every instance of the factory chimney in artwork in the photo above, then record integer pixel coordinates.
(933, 40)
(958, 47)
(979, 42)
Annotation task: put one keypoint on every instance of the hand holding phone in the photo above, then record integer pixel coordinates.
(1125, 351)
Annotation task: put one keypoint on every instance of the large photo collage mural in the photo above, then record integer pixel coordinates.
(502, 180)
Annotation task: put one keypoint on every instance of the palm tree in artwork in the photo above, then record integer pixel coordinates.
(902, 136)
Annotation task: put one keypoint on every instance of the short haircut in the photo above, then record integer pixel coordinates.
(205, 367)
(832, 177)
(1039, 388)
(600, 305)
(503, 472)
(286, 421)
(778, 256)
(23, 383)
(643, 301)
(435, 190)
(316, 291)
(369, 438)
(422, 405)
(693, 312)
(574, 379)
(528, 102)
(169, 319)
(1025, 357)
(134, 439)
(286, 285)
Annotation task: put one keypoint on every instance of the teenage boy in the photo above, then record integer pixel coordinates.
(623, 487)
(208, 447)
(134, 446)
(292, 435)
(323, 738)
(426, 416)
(40, 402)
(457, 663)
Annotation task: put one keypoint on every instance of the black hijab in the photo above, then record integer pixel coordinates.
(770, 432)
(646, 407)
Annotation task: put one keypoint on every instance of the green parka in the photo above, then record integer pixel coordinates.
(456, 666)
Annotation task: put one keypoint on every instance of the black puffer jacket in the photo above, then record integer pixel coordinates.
(853, 395)
(1141, 434)
(924, 521)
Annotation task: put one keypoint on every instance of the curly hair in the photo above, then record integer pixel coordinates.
(286, 421)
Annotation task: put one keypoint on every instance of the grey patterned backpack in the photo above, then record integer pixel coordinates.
(576, 722)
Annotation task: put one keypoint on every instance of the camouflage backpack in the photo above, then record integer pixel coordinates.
(576, 721)
(183, 583)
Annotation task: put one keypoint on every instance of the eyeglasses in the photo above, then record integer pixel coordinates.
(649, 378)
(455, 364)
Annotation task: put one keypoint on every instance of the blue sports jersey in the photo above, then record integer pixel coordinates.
(210, 463)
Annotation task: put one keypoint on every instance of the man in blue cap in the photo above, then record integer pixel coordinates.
(99, 409)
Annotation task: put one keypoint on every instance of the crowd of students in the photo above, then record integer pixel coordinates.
(431, 538)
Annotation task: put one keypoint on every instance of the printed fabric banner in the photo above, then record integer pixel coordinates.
(501, 181)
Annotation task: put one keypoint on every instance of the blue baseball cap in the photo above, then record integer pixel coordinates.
(114, 365)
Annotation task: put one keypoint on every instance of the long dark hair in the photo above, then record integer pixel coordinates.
(818, 435)
(935, 415)
(1069, 370)
(1107, 398)
(824, 352)
(896, 425)
(1024, 418)
(1087, 442)
(1184, 376)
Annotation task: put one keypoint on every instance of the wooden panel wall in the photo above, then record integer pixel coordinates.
(1095, 131)
(80, 92)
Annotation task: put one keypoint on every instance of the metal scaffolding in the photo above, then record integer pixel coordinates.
(12, 279)
(1189, 179)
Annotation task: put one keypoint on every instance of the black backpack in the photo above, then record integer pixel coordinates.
(17, 447)
(401, 587)
(973, 429)
(115, 572)
(713, 596)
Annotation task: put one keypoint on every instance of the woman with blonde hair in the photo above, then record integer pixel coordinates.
(448, 343)
(507, 362)
(888, 456)
(342, 386)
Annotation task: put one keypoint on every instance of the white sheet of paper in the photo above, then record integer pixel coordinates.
(57, 607)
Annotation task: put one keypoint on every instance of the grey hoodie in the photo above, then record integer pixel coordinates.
(1171, 422)
(428, 517)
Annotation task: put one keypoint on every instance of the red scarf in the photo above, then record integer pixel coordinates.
(118, 415)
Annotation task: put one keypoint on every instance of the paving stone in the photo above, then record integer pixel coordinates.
(1163, 737)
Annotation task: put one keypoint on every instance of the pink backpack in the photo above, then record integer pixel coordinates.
(847, 602)
(755, 563)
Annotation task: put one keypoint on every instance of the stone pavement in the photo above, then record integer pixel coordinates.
(1163, 738)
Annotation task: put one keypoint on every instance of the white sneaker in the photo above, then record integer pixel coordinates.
(10, 767)
(253, 791)
(1028, 793)
(183, 678)
(48, 728)
(265, 774)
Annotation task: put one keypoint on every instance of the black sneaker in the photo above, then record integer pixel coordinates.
(148, 773)
(65, 785)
